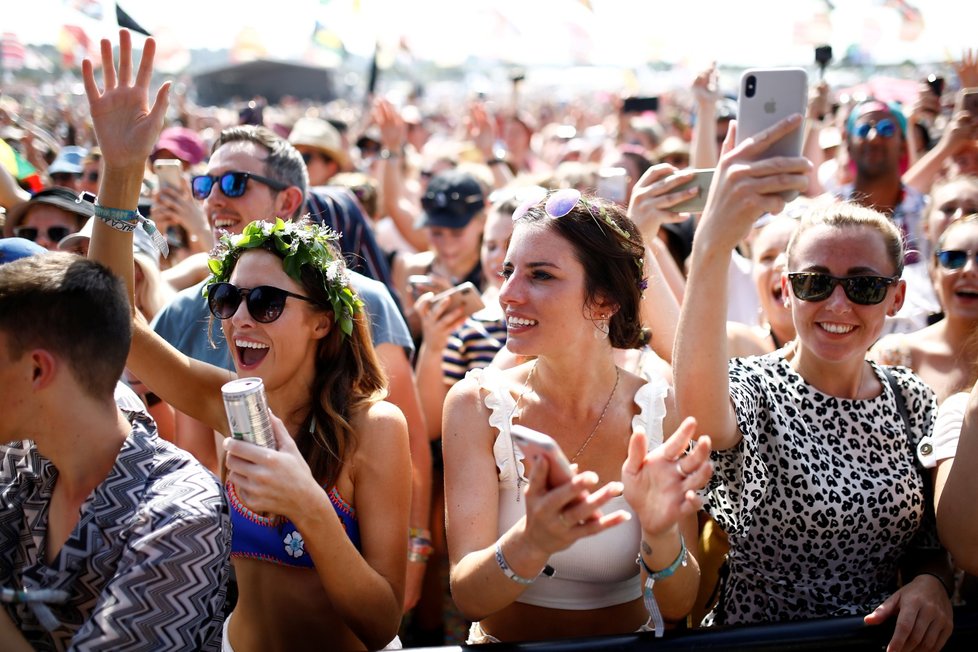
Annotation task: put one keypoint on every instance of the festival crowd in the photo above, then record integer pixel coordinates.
(756, 366)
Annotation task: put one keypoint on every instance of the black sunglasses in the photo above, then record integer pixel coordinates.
(54, 233)
(308, 156)
(864, 290)
(955, 258)
(265, 303)
(232, 184)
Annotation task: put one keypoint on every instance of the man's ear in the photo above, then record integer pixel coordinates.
(45, 368)
(288, 202)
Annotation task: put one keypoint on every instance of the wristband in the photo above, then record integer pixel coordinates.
(651, 576)
(548, 570)
(126, 221)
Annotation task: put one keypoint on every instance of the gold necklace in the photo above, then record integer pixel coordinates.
(526, 384)
(600, 418)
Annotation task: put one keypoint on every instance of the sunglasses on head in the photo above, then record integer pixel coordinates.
(864, 290)
(885, 128)
(54, 233)
(562, 202)
(955, 258)
(232, 184)
(265, 303)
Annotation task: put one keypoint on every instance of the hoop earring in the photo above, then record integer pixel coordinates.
(602, 327)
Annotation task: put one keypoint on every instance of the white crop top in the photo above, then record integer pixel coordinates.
(597, 571)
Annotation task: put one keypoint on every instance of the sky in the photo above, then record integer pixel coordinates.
(616, 32)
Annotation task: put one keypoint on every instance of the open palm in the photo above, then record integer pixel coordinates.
(126, 126)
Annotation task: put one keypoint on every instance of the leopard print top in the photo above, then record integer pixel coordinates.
(820, 499)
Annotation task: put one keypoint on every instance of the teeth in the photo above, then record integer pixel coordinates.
(223, 224)
(518, 321)
(837, 328)
(250, 345)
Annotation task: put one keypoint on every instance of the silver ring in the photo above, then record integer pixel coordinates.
(679, 470)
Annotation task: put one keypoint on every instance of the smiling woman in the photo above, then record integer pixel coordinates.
(817, 486)
(327, 564)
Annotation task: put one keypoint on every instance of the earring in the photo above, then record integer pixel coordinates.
(602, 326)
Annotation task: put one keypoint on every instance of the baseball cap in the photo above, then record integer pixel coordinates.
(183, 143)
(320, 134)
(68, 161)
(142, 243)
(63, 198)
(452, 199)
(12, 249)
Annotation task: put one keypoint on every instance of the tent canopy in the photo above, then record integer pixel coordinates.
(270, 79)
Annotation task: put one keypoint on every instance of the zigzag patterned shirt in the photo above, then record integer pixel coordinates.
(145, 568)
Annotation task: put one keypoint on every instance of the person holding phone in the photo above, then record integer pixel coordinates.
(613, 549)
(817, 483)
(330, 564)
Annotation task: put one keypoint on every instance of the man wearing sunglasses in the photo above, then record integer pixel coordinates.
(48, 217)
(255, 174)
(877, 146)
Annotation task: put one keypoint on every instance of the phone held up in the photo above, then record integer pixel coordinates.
(168, 172)
(767, 96)
(536, 445)
(702, 180)
(465, 296)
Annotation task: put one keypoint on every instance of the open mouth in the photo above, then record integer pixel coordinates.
(250, 354)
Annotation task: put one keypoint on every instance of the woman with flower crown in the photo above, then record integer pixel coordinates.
(320, 522)
(611, 550)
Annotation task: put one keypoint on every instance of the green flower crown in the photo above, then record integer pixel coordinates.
(300, 244)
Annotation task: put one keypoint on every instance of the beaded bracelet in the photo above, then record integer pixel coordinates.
(650, 578)
(419, 548)
(126, 221)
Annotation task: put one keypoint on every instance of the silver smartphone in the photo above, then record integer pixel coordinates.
(465, 296)
(702, 180)
(535, 445)
(168, 171)
(767, 96)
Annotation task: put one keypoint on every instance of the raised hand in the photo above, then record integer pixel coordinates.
(661, 485)
(126, 126)
(746, 185)
(654, 193)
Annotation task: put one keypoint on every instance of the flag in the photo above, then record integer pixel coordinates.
(12, 52)
(126, 21)
(74, 45)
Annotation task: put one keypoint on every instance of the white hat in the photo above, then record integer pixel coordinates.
(319, 134)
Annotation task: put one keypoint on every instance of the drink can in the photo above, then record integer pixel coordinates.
(247, 410)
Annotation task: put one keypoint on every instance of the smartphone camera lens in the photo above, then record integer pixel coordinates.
(750, 86)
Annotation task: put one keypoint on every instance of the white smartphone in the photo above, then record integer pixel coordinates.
(767, 96)
(419, 284)
(168, 171)
(535, 445)
(465, 296)
(702, 180)
(613, 184)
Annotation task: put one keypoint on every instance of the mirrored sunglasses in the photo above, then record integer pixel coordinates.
(863, 290)
(885, 128)
(955, 258)
(232, 184)
(265, 302)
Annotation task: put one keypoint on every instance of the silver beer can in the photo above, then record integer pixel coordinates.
(247, 410)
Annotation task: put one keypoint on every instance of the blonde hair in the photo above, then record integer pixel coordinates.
(845, 214)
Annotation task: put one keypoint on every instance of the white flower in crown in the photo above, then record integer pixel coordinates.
(294, 545)
(334, 271)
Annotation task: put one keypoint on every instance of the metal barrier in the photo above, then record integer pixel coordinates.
(835, 634)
